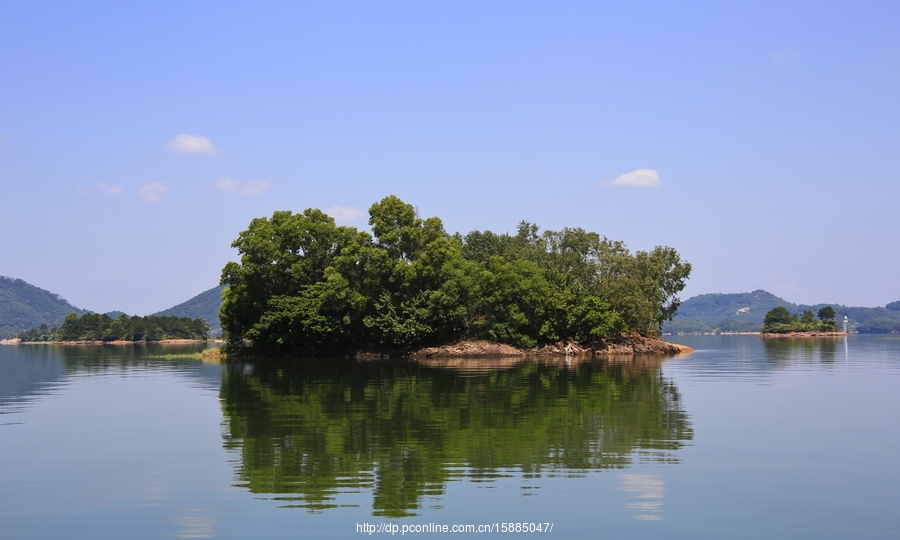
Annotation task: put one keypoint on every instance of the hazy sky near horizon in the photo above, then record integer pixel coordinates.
(760, 139)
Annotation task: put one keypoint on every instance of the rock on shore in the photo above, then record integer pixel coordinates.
(470, 349)
(805, 335)
(631, 344)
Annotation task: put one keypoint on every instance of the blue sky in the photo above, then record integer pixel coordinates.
(760, 139)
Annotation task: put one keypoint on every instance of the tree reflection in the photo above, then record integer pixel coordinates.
(307, 431)
(784, 351)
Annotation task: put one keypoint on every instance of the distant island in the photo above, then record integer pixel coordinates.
(724, 313)
(307, 286)
(780, 322)
(96, 328)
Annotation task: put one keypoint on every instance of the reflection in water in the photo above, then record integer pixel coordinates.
(30, 371)
(785, 351)
(195, 527)
(307, 431)
(25, 372)
(646, 495)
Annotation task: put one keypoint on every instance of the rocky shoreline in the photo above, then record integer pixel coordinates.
(632, 344)
(805, 335)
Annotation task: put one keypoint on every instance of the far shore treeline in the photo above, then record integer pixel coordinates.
(97, 327)
(304, 284)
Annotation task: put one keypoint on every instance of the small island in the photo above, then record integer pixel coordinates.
(780, 322)
(101, 328)
(306, 286)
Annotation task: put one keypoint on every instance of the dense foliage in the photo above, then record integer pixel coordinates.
(22, 306)
(781, 321)
(96, 327)
(305, 284)
(205, 306)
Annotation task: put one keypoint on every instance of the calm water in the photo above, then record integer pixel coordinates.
(742, 439)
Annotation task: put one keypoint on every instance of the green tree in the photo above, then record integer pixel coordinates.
(827, 313)
(778, 315)
(278, 257)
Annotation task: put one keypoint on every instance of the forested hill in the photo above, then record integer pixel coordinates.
(744, 312)
(205, 306)
(24, 306)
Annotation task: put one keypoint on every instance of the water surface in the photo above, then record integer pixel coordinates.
(744, 438)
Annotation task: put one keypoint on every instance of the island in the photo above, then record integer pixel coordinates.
(780, 322)
(306, 286)
(101, 328)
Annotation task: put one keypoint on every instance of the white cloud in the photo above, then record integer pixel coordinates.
(153, 193)
(343, 214)
(192, 144)
(236, 187)
(638, 178)
(4, 137)
(255, 188)
(113, 190)
(785, 53)
(228, 185)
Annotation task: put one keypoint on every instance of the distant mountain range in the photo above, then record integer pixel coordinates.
(205, 306)
(744, 312)
(24, 306)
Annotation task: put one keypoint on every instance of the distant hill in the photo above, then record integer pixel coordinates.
(205, 305)
(744, 312)
(24, 306)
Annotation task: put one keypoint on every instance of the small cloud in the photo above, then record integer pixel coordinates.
(228, 185)
(343, 214)
(784, 54)
(255, 188)
(192, 144)
(113, 190)
(4, 137)
(236, 187)
(638, 178)
(153, 193)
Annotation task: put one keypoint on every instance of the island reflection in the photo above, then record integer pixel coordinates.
(308, 430)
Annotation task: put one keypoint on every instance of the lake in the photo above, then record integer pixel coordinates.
(744, 438)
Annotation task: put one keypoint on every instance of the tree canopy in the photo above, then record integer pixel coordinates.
(97, 327)
(305, 284)
(827, 313)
